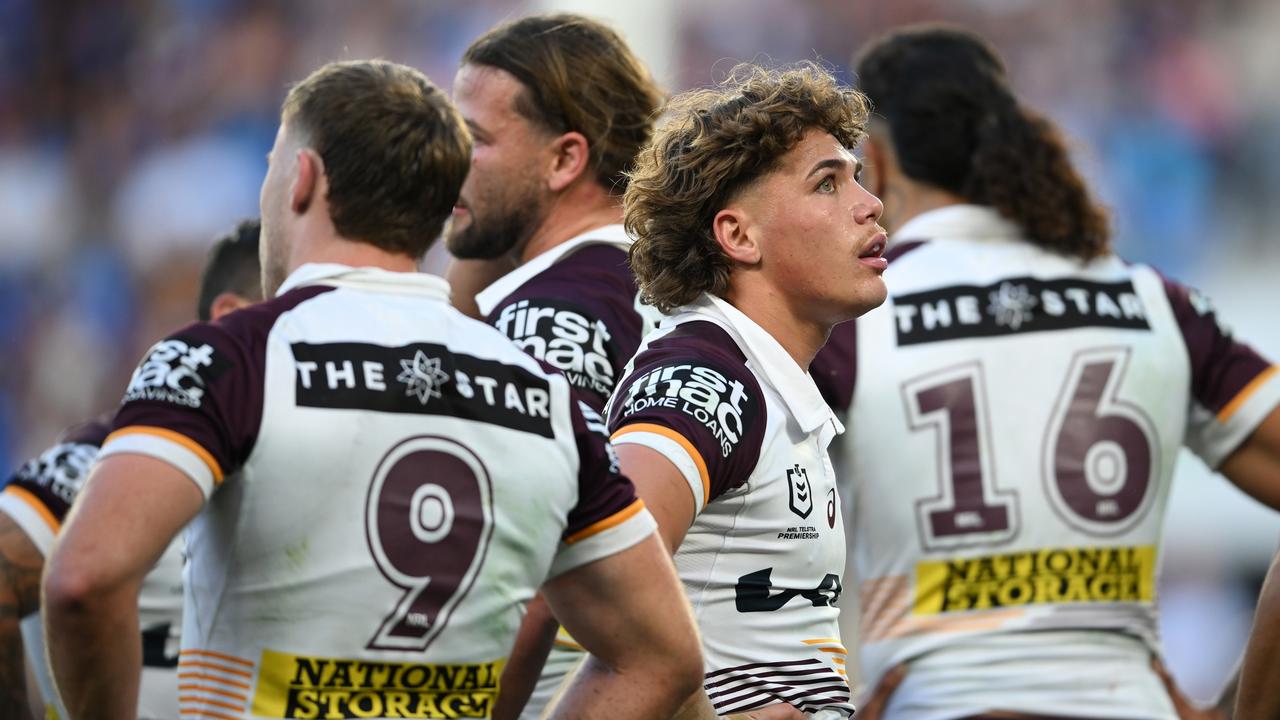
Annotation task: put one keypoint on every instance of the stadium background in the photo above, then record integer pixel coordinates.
(132, 132)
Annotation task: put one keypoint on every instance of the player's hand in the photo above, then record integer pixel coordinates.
(781, 711)
(874, 706)
(1186, 709)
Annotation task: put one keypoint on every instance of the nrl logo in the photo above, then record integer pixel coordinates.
(801, 494)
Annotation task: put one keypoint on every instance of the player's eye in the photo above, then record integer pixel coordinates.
(828, 185)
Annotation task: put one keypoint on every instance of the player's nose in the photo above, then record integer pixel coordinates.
(868, 207)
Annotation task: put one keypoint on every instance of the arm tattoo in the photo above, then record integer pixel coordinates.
(20, 567)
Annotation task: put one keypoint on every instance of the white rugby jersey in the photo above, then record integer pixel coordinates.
(1012, 437)
(576, 308)
(37, 498)
(720, 398)
(371, 534)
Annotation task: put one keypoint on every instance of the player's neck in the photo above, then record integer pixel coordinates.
(572, 214)
(912, 199)
(331, 248)
(799, 335)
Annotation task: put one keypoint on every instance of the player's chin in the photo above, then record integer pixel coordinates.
(456, 236)
(869, 293)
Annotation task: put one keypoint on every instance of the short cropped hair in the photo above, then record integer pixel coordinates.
(395, 150)
(714, 143)
(578, 76)
(232, 267)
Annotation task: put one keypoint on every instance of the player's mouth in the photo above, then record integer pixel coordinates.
(873, 254)
(460, 208)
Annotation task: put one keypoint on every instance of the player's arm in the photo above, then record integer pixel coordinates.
(629, 611)
(1258, 697)
(20, 565)
(666, 493)
(130, 509)
(1255, 466)
(1234, 418)
(533, 644)
(663, 488)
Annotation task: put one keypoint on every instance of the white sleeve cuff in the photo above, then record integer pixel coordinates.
(611, 540)
(676, 454)
(1214, 438)
(163, 448)
(30, 519)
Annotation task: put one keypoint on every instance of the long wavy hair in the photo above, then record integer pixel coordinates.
(955, 123)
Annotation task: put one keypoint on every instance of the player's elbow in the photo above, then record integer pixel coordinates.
(74, 587)
(68, 591)
(680, 665)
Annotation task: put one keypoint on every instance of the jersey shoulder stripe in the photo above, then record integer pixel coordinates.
(694, 382)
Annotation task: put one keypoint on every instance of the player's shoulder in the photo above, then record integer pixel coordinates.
(67, 461)
(695, 369)
(695, 339)
(91, 432)
(593, 281)
(255, 321)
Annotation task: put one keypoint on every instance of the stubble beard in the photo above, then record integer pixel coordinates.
(502, 231)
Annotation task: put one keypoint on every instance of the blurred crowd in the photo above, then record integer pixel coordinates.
(132, 132)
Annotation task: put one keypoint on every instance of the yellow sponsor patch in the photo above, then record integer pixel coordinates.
(298, 686)
(1036, 577)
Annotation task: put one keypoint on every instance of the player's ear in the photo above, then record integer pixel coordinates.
(732, 230)
(571, 157)
(227, 302)
(878, 165)
(307, 183)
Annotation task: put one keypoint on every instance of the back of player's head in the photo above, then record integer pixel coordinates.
(714, 143)
(578, 76)
(232, 266)
(955, 123)
(395, 151)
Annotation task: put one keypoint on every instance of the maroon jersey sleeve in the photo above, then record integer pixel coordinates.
(48, 484)
(196, 398)
(691, 397)
(578, 316)
(608, 517)
(1232, 386)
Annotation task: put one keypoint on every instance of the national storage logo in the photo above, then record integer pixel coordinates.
(297, 686)
(1036, 577)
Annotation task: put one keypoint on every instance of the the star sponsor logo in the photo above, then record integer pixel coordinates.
(1016, 305)
(422, 376)
(1011, 305)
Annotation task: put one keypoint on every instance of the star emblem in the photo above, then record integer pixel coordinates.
(1011, 305)
(422, 376)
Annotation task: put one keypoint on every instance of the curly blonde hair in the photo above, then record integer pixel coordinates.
(715, 142)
